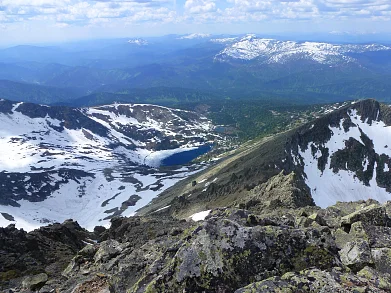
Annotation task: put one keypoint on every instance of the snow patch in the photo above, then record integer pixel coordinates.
(328, 187)
(200, 216)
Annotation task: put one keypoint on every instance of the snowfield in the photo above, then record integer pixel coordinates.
(101, 162)
(328, 187)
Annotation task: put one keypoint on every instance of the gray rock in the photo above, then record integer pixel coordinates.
(314, 280)
(356, 254)
(382, 259)
(107, 250)
(371, 215)
(35, 282)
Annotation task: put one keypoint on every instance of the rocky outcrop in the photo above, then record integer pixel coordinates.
(344, 248)
(315, 280)
(280, 191)
(27, 259)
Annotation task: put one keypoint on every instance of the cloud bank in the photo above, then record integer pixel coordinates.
(175, 14)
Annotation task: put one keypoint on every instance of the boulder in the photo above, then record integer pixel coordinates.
(107, 250)
(380, 280)
(220, 254)
(356, 254)
(358, 231)
(374, 215)
(382, 259)
(318, 219)
(35, 282)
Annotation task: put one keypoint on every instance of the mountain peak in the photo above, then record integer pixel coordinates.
(138, 41)
(195, 36)
(270, 51)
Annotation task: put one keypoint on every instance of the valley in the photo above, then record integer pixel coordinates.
(196, 163)
(341, 156)
(92, 164)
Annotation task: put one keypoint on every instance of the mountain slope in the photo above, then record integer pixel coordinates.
(342, 156)
(34, 93)
(349, 160)
(89, 164)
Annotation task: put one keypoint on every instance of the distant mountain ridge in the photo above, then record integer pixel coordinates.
(224, 67)
(274, 51)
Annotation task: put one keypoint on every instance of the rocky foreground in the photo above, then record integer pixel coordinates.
(271, 242)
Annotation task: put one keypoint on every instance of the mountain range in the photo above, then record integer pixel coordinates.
(341, 156)
(108, 159)
(219, 66)
(267, 217)
(196, 163)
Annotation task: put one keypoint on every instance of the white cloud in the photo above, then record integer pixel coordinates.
(187, 13)
(200, 6)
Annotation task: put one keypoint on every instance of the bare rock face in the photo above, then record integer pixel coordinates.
(280, 191)
(27, 259)
(314, 280)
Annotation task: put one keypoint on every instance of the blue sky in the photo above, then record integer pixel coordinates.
(30, 21)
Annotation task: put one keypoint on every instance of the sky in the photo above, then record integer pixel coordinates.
(37, 21)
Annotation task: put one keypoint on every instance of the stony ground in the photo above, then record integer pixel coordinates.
(281, 244)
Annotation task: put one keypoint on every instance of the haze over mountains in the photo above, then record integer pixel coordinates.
(225, 66)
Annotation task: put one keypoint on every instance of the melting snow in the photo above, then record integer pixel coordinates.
(328, 187)
(30, 145)
(200, 216)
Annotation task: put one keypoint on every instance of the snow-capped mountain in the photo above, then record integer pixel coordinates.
(194, 36)
(224, 40)
(346, 156)
(89, 164)
(271, 51)
(139, 42)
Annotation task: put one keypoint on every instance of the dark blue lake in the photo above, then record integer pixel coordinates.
(186, 157)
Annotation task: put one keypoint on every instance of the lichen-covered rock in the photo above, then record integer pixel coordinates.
(316, 217)
(356, 254)
(280, 191)
(98, 284)
(357, 231)
(303, 222)
(35, 282)
(379, 236)
(378, 279)
(107, 250)
(371, 215)
(267, 250)
(382, 259)
(333, 214)
(221, 254)
(315, 280)
(45, 250)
